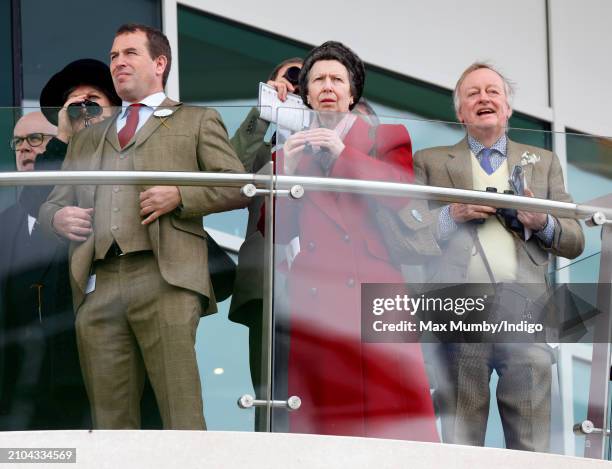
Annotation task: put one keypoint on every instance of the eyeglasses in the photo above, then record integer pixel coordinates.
(35, 139)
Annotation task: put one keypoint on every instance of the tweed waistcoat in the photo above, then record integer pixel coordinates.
(117, 208)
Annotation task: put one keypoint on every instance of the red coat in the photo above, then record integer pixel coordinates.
(349, 387)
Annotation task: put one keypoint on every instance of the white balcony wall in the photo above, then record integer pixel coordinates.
(582, 70)
(430, 40)
(435, 40)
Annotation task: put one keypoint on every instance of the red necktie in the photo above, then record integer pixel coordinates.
(128, 130)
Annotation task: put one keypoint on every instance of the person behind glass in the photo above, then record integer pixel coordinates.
(41, 385)
(347, 387)
(254, 152)
(138, 264)
(478, 248)
(60, 392)
(79, 95)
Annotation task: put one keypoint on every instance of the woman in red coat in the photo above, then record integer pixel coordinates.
(347, 387)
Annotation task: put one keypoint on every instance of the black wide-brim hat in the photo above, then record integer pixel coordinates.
(90, 72)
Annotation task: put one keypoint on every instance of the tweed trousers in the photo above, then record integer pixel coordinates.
(523, 393)
(135, 322)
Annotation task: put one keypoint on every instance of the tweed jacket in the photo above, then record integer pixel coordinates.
(190, 139)
(450, 166)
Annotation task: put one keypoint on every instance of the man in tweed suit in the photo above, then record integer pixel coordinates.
(483, 159)
(138, 258)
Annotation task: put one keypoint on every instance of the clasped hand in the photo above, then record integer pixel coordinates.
(157, 201)
(76, 223)
(314, 138)
(462, 213)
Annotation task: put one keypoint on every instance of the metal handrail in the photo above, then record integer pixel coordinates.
(262, 181)
(101, 178)
(444, 194)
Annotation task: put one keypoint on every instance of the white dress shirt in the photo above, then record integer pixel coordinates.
(150, 103)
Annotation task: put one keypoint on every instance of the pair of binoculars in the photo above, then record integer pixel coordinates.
(85, 109)
(508, 215)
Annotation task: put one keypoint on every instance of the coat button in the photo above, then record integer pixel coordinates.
(311, 246)
(350, 282)
(115, 209)
(313, 291)
(346, 238)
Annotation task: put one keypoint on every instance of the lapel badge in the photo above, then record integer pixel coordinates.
(417, 215)
(528, 158)
(163, 114)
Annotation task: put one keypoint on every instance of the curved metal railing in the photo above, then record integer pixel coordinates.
(262, 181)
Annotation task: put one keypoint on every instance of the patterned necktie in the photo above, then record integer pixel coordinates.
(485, 160)
(129, 129)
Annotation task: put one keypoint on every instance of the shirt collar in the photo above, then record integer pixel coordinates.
(153, 100)
(500, 146)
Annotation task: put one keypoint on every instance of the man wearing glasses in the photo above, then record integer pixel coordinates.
(29, 288)
(30, 138)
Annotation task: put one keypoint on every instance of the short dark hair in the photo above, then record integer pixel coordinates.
(157, 43)
(292, 60)
(333, 50)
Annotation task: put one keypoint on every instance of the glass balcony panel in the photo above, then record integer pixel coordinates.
(350, 383)
(341, 271)
(44, 323)
(589, 179)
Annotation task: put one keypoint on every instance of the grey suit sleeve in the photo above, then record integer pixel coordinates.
(568, 238)
(215, 154)
(440, 229)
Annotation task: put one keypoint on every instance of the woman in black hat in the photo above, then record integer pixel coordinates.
(83, 79)
(86, 84)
